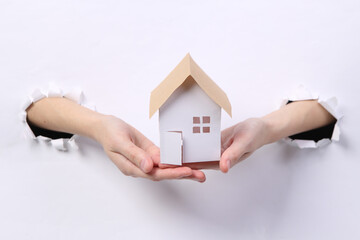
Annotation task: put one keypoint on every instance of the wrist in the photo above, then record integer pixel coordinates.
(273, 129)
(97, 126)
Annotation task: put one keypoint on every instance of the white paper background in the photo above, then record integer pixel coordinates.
(117, 51)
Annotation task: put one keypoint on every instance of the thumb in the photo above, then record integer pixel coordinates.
(137, 156)
(230, 157)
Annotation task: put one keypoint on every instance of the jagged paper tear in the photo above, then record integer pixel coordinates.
(331, 105)
(75, 95)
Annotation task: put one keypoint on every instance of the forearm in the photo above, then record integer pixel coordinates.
(132, 152)
(64, 115)
(295, 118)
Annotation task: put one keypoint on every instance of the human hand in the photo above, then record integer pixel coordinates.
(135, 155)
(241, 140)
(237, 143)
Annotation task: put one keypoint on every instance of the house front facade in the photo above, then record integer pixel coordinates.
(189, 105)
(191, 112)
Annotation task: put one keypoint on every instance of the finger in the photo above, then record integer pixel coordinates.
(197, 176)
(159, 174)
(141, 141)
(226, 133)
(126, 167)
(154, 152)
(129, 169)
(226, 144)
(231, 156)
(244, 156)
(148, 146)
(227, 138)
(136, 155)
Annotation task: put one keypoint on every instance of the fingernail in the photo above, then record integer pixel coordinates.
(198, 180)
(143, 165)
(228, 164)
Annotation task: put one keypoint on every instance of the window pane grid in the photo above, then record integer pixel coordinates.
(198, 124)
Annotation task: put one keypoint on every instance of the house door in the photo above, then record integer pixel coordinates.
(171, 149)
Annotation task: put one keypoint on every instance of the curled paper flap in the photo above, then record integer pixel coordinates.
(331, 104)
(29, 132)
(37, 95)
(23, 116)
(304, 143)
(323, 142)
(307, 143)
(59, 144)
(301, 93)
(44, 139)
(72, 143)
(75, 95)
(90, 106)
(27, 103)
(53, 90)
(336, 133)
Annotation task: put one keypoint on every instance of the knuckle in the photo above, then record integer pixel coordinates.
(112, 144)
(132, 156)
(132, 153)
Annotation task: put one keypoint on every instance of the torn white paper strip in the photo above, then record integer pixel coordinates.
(336, 133)
(301, 93)
(23, 116)
(59, 144)
(37, 95)
(27, 103)
(72, 142)
(75, 95)
(54, 91)
(44, 139)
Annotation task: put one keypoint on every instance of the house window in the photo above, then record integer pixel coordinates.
(196, 129)
(206, 129)
(206, 119)
(200, 124)
(196, 119)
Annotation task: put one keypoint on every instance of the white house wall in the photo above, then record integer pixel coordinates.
(177, 114)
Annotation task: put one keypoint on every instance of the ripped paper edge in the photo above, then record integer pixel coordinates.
(331, 105)
(76, 95)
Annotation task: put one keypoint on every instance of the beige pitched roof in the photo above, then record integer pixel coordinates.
(186, 69)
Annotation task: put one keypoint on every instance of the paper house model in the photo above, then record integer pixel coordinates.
(189, 105)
